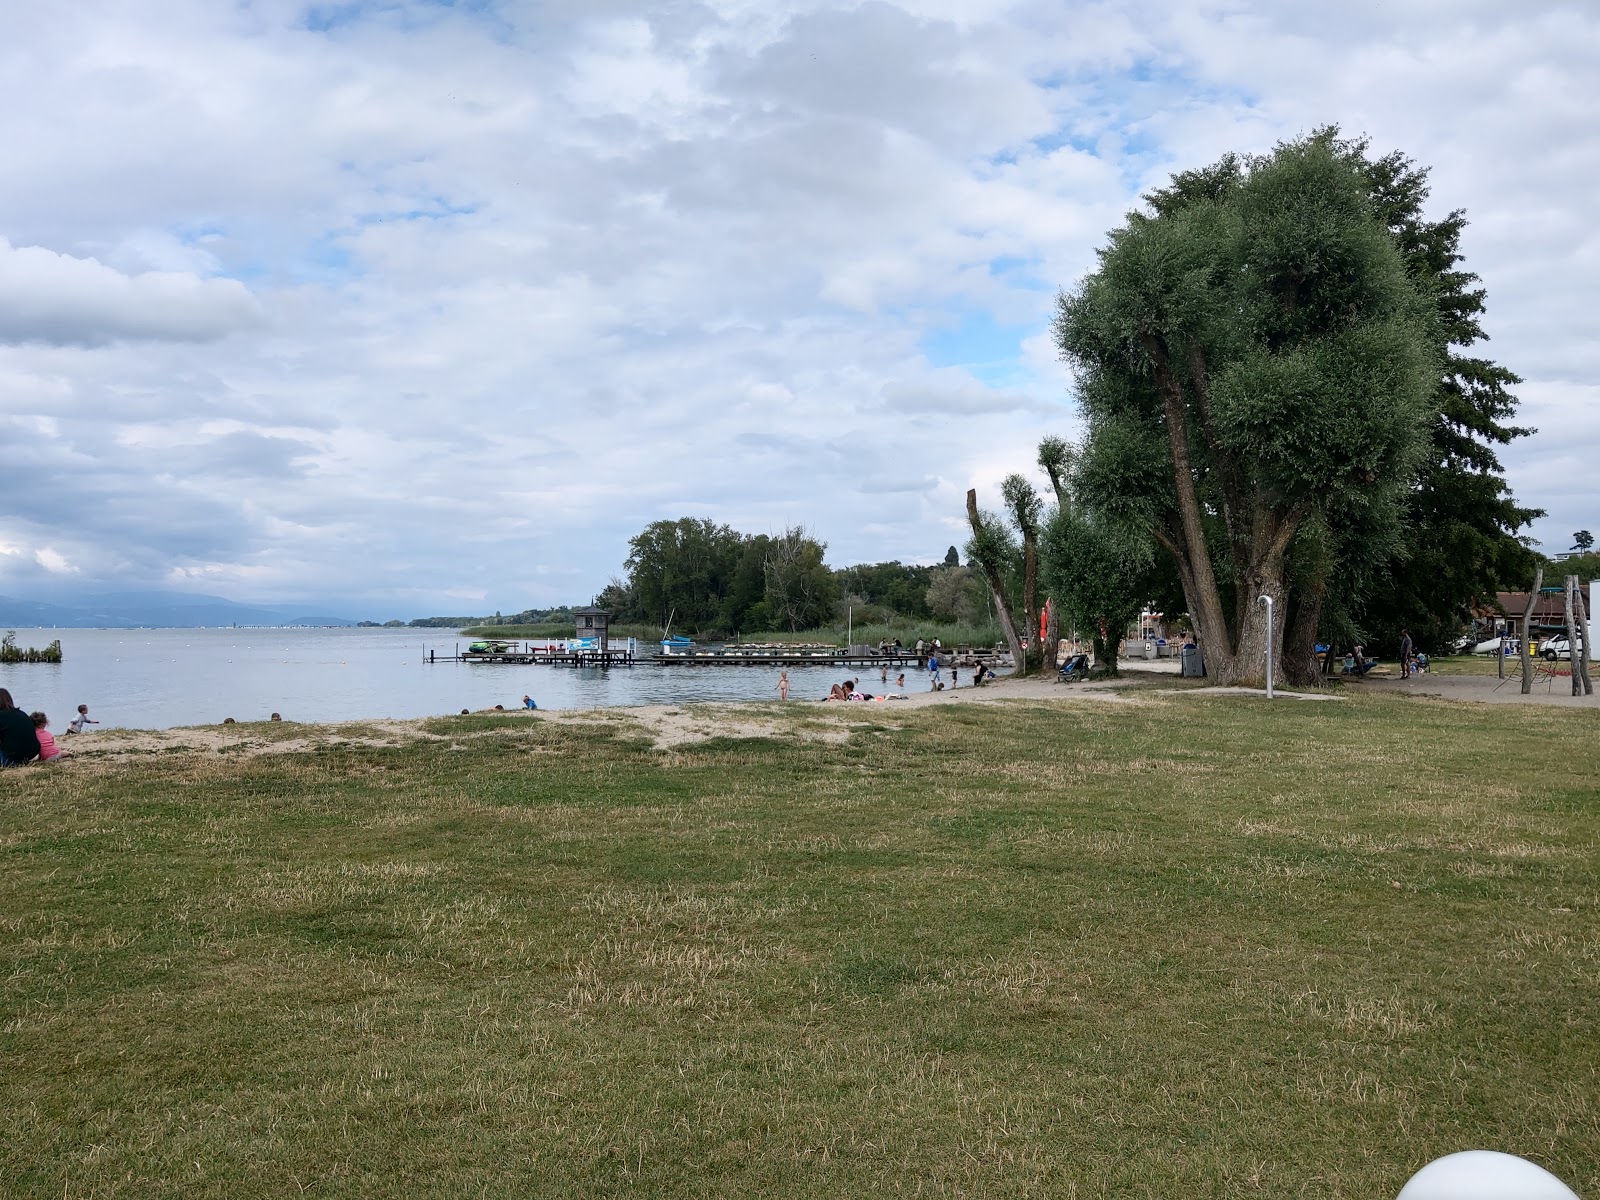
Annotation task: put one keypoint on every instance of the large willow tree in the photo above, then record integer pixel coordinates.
(1252, 360)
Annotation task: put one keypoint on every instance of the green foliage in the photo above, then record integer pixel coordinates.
(1584, 566)
(1456, 541)
(531, 616)
(1264, 305)
(10, 652)
(800, 590)
(680, 571)
(894, 586)
(955, 594)
(993, 547)
(1098, 570)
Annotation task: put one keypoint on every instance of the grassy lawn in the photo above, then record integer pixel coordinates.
(1195, 947)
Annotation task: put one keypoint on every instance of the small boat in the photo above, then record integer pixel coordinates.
(488, 647)
(677, 642)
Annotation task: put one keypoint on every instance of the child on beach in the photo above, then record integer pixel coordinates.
(47, 740)
(78, 722)
(783, 685)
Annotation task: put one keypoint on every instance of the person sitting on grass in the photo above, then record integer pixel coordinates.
(19, 743)
(47, 741)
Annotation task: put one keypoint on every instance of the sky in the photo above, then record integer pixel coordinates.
(410, 307)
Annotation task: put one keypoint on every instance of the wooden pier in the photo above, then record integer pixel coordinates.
(556, 655)
(537, 656)
(858, 656)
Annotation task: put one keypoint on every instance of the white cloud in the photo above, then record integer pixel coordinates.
(446, 303)
(58, 299)
(53, 561)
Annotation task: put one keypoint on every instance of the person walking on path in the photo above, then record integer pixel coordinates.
(783, 685)
(1407, 651)
(18, 742)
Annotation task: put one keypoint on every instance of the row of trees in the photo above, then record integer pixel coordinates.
(1273, 364)
(711, 580)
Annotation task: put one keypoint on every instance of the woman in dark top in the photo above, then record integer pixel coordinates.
(18, 742)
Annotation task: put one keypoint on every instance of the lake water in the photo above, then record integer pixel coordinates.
(159, 678)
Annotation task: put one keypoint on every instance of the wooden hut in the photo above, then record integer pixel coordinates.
(593, 623)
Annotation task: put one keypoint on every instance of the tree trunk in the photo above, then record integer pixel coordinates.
(991, 572)
(1030, 589)
(1050, 644)
(1199, 579)
(1572, 634)
(1584, 624)
(1105, 649)
(1527, 629)
(1300, 639)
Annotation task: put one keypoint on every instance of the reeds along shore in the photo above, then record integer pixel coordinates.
(10, 652)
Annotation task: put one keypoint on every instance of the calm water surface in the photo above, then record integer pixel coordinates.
(159, 678)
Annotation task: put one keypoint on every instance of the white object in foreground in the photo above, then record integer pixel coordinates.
(1484, 1175)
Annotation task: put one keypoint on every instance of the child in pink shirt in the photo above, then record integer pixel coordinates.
(47, 741)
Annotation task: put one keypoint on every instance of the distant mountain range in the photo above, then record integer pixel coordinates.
(151, 610)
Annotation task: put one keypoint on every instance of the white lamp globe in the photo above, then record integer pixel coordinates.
(1484, 1175)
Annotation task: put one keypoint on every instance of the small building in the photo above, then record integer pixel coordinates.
(593, 623)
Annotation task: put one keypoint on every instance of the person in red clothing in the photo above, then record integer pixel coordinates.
(47, 740)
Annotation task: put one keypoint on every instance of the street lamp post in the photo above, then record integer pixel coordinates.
(1267, 600)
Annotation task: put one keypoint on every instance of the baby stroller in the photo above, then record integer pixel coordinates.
(1075, 668)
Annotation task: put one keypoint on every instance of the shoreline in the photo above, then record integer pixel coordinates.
(668, 725)
(672, 725)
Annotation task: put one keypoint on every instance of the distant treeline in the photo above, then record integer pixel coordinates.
(528, 616)
(10, 652)
(710, 580)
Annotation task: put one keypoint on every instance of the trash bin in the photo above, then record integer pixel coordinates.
(1193, 665)
(1149, 649)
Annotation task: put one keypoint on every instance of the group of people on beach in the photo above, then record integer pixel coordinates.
(26, 737)
(850, 689)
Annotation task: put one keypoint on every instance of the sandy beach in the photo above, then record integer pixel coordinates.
(671, 726)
